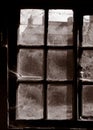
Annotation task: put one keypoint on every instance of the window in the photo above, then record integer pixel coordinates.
(86, 85)
(45, 63)
(50, 69)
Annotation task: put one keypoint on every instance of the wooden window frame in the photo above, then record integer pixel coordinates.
(13, 24)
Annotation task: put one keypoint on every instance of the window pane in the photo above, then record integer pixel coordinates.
(87, 100)
(59, 102)
(60, 65)
(30, 63)
(60, 28)
(87, 64)
(88, 30)
(29, 101)
(31, 29)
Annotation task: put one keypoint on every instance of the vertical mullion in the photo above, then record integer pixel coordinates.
(80, 98)
(74, 101)
(80, 69)
(45, 63)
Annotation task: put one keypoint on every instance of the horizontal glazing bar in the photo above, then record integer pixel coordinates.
(30, 47)
(44, 47)
(86, 81)
(21, 80)
(86, 47)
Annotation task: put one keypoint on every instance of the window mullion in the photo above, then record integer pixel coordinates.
(80, 68)
(45, 63)
(75, 42)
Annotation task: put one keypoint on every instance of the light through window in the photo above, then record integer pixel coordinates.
(34, 55)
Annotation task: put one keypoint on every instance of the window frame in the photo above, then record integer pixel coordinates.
(12, 53)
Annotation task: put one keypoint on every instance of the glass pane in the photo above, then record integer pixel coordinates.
(30, 63)
(60, 65)
(31, 29)
(87, 100)
(29, 101)
(59, 102)
(87, 64)
(60, 27)
(88, 30)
